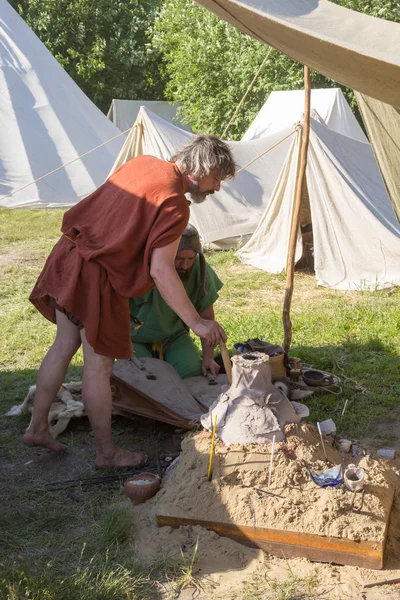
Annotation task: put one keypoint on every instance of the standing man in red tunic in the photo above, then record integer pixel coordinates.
(117, 244)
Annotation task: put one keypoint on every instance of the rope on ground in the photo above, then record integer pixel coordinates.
(247, 91)
(66, 164)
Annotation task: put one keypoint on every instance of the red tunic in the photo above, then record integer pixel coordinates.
(140, 207)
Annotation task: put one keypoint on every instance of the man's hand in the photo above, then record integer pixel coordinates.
(209, 364)
(209, 330)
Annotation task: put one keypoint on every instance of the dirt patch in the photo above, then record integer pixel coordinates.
(305, 289)
(19, 255)
(386, 434)
(222, 564)
(40, 466)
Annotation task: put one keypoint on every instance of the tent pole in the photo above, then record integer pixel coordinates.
(294, 227)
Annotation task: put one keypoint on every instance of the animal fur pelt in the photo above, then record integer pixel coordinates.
(67, 404)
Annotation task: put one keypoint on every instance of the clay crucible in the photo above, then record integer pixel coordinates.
(141, 487)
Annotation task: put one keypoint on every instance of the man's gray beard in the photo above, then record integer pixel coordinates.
(198, 197)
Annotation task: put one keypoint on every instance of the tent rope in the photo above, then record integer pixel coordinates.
(246, 93)
(66, 164)
(266, 151)
(139, 125)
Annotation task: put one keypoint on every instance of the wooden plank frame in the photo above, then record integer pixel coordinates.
(291, 544)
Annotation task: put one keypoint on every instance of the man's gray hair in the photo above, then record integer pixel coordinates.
(203, 154)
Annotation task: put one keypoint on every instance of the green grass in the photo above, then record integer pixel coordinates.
(293, 587)
(77, 544)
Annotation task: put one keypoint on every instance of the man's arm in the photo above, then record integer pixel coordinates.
(208, 363)
(168, 283)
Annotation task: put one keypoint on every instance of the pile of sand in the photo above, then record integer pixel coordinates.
(299, 504)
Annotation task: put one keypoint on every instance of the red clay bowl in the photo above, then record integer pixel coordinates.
(141, 487)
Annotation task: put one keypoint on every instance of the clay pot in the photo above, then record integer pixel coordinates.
(141, 487)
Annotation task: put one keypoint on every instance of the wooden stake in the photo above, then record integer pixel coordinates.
(226, 360)
(344, 407)
(209, 474)
(294, 227)
(322, 440)
(271, 461)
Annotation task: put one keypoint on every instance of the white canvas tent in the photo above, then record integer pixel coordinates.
(355, 231)
(46, 121)
(352, 48)
(356, 234)
(232, 215)
(123, 113)
(236, 209)
(286, 107)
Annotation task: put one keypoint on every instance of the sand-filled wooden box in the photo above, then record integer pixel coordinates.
(297, 518)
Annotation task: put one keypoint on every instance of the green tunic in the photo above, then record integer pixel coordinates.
(161, 324)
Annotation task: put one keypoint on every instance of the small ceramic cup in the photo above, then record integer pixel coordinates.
(344, 445)
(141, 487)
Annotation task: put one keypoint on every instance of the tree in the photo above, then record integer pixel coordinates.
(103, 45)
(210, 65)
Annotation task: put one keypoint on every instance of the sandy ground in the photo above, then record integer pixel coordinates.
(228, 569)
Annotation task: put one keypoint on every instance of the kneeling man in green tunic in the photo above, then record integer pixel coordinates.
(158, 332)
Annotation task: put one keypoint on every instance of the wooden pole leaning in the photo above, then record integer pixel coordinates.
(295, 221)
(226, 360)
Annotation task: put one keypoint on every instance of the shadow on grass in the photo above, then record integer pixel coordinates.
(369, 380)
(77, 543)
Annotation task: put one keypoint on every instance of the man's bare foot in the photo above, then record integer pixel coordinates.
(120, 459)
(44, 440)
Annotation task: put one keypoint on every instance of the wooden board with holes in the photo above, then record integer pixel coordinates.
(152, 388)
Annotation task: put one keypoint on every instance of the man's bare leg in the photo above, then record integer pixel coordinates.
(50, 377)
(97, 398)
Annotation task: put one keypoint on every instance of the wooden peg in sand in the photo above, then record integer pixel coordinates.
(322, 441)
(271, 461)
(210, 462)
(226, 360)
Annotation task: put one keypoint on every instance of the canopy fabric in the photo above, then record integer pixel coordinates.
(46, 122)
(356, 234)
(354, 49)
(123, 113)
(282, 108)
(268, 246)
(382, 122)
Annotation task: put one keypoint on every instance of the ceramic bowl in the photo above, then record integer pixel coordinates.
(141, 487)
(344, 445)
(314, 377)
